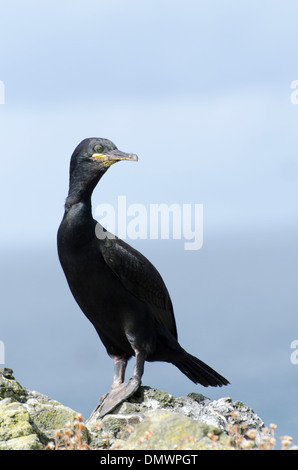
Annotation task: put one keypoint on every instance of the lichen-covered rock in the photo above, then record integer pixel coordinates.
(152, 419)
(9, 387)
(169, 430)
(28, 419)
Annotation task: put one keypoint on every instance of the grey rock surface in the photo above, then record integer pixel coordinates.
(133, 422)
(150, 419)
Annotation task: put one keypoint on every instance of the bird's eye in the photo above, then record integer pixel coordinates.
(98, 149)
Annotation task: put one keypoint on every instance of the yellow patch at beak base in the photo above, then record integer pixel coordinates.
(104, 158)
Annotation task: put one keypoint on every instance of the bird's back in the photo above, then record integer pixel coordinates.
(141, 279)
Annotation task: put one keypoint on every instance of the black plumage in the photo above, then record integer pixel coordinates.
(117, 288)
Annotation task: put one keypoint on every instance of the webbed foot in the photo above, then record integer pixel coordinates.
(115, 397)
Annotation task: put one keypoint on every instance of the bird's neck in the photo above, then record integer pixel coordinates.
(78, 223)
(77, 227)
(81, 187)
(78, 198)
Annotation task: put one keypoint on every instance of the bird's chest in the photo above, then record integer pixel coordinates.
(101, 297)
(90, 280)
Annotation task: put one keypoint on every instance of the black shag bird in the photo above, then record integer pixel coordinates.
(117, 288)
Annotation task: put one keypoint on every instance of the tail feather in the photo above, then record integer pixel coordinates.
(199, 372)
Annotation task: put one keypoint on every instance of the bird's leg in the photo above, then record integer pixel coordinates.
(138, 369)
(120, 364)
(121, 391)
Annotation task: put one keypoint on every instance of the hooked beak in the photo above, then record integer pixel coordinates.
(114, 156)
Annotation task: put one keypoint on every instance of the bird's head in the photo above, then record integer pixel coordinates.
(89, 161)
(98, 155)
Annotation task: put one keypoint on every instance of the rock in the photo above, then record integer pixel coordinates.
(168, 430)
(150, 419)
(28, 420)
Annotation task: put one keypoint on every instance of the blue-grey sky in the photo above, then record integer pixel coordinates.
(201, 91)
